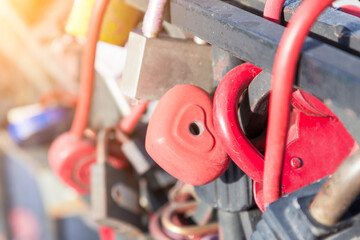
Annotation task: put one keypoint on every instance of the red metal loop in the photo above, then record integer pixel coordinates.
(87, 69)
(284, 69)
(353, 10)
(226, 121)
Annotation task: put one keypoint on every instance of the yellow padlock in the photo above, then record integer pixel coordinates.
(119, 20)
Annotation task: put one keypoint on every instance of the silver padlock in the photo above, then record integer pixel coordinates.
(154, 65)
(114, 194)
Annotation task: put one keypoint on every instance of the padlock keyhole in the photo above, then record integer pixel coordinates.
(196, 128)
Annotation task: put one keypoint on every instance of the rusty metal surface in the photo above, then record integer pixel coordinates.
(339, 191)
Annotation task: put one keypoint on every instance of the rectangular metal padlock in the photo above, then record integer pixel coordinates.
(114, 194)
(154, 65)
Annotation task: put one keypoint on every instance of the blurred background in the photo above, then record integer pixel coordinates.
(39, 71)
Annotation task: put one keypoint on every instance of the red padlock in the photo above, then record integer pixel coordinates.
(316, 145)
(70, 154)
(284, 71)
(181, 136)
(70, 158)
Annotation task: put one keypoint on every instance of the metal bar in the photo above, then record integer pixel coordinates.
(333, 26)
(338, 192)
(339, 27)
(325, 71)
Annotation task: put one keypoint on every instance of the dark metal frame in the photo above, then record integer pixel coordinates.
(331, 74)
(329, 67)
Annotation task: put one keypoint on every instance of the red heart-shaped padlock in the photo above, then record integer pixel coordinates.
(181, 136)
(316, 143)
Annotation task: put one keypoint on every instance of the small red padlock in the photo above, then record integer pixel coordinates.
(70, 154)
(181, 136)
(316, 145)
(71, 158)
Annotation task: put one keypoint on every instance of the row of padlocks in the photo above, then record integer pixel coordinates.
(201, 143)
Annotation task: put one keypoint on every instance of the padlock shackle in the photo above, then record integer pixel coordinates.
(101, 146)
(155, 228)
(170, 210)
(153, 18)
(129, 122)
(226, 120)
(87, 69)
(338, 192)
(284, 70)
(273, 10)
(350, 9)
